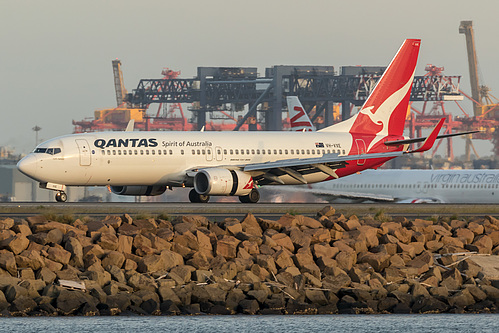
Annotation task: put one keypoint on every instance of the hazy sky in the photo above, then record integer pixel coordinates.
(55, 58)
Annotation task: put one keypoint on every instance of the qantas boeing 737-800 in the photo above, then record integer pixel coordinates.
(235, 163)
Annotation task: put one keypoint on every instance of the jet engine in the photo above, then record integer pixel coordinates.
(138, 190)
(219, 181)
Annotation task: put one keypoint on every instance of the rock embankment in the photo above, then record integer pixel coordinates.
(294, 265)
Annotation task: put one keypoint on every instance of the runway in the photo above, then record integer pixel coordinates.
(223, 210)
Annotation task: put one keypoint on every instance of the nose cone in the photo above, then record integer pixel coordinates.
(28, 165)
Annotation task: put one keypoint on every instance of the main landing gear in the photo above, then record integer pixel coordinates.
(61, 196)
(252, 197)
(195, 197)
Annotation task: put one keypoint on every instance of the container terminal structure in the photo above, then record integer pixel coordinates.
(238, 98)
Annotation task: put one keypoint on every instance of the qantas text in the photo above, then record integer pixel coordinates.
(125, 143)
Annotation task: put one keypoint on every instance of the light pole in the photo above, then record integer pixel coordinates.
(36, 129)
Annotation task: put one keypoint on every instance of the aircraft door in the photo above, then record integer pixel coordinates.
(218, 153)
(361, 149)
(209, 154)
(84, 148)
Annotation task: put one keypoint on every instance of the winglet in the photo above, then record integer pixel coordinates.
(129, 127)
(430, 140)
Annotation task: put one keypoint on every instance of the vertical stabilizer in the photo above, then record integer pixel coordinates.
(385, 110)
(298, 118)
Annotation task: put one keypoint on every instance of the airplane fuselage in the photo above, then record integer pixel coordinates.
(414, 186)
(162, 158)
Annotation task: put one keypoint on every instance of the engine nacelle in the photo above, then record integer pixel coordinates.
(138, 190)
(219, 181)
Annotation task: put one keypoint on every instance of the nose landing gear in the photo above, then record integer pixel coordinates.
(61, 196)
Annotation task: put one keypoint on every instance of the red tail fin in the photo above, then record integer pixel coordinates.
(387, 105)
(385, 110)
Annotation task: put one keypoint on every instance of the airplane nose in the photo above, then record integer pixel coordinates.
(27, 165)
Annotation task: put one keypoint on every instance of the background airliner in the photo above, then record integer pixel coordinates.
(235, 163)
(413, 186)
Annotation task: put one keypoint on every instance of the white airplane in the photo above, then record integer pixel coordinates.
(236, 163)
(298, 118)
(414, 186)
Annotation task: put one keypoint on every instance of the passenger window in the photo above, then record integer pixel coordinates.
(181, 152)
(329, 151)
(109, 152)
(193, 152)
(135, 152)
(280, 151)
(119, 151)
(124, 152)
(199, 152)
(275, 151)
(263, 151)
(258, 151)
(313, 151)
(242, 151)
(203, 152)
(237, 152)
(292, 152)
(159, 151)
(231, 152)
(343, 151)
(270, 152)
(103, 152)
(114, 152)
(147, 151)
(209, 151)
(247, 152)
(171, 152)
(308, 151)
(252, 152)
(303, 151)
(285, 151)
(298, 152)
(153, 151)
(141, 152)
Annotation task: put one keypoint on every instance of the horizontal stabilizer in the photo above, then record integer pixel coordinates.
(415, 140)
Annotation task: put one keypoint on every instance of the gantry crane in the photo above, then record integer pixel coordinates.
(485, 105)
(119, 86)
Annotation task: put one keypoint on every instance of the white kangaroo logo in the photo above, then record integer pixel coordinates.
(384, 111)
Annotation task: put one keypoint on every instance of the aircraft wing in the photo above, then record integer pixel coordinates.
(325, 159)
(269, 172)
(347, 195)
(297, 167)
(326, 193)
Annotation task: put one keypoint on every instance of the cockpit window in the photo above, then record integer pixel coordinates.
(50, 151)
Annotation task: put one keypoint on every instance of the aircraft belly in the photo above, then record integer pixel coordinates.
(126, 174)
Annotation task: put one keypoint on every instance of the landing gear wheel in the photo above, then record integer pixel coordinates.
(252, 197)
(61, 197)
(195, 197)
